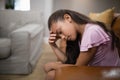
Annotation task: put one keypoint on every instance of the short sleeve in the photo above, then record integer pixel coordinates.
(93, 36)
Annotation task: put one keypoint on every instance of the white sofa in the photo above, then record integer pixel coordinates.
(20, 47)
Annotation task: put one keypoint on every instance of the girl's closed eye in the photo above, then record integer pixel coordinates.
(59, 32)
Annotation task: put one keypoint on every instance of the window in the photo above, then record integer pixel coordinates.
(23, 5)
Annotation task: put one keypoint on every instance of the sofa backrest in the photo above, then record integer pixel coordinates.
(116, 25)
(11, 20)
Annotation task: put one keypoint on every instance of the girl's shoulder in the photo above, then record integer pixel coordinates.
(95, 31)
(92, 26)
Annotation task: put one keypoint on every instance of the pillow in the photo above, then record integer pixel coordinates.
(106, 17)
(116, 26)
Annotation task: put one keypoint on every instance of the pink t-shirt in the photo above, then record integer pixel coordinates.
(93, 36)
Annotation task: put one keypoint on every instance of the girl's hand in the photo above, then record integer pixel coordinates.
(53, 38)
(52, 66)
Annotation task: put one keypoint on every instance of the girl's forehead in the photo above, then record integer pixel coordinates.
(54, 27)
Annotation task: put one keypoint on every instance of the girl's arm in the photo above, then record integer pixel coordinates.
(58, 52)
(85, 57)
(82, 60)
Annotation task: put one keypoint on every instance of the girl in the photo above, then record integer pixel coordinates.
(89, 43)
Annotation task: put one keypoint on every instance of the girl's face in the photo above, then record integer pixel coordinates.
(64, 29)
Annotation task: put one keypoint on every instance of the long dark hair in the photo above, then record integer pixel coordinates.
(73, 49)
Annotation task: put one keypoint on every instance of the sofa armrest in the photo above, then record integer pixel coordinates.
(21, 40)
(87, 73)
(32, 29)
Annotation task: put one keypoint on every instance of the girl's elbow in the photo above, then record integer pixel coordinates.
(64, 60)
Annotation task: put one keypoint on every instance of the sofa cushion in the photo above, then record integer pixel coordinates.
(105, 17)
(116, 26)
(4, 47)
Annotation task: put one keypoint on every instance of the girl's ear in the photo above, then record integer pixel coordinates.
(67, 17)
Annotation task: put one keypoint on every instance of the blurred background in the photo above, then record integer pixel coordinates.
(16, 13)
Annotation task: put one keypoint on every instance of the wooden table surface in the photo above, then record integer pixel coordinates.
(88, 73)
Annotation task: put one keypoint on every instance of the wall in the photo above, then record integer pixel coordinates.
(2, 2)
(60, 4)
(86, 6)
(37, 5)
(44, 6)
